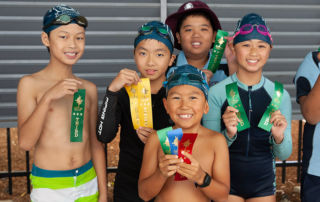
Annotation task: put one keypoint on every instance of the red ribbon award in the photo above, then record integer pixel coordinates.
(186, 145)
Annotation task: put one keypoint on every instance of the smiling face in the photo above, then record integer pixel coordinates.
(66, 43)
(251, 55)
(196, 36)
(152, 59)
(186, 104)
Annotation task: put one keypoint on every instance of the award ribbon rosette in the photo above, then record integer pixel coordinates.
(217, 50)
(186, 145)
(273, 106)
(234, 100)
(140, 104)
(77, 115)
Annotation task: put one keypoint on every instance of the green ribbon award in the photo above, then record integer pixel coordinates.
(273, 106)
(77, 115)
(217, 50)
(234, 100)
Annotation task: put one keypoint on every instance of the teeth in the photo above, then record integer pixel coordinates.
(185, 116)
(71, 54)
(252, 61)
(196, 43)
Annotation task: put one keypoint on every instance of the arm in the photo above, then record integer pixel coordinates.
(281, 129)
(231, 121)
(109, 115)
(144, 133)
(219, 186)
(230, 56)
(307, 87)
(108, 118)
(97, 150)
(212, 119)
(156, 168)
(309, 104)
(32, 115)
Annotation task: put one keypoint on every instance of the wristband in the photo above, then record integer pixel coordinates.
(206, 181)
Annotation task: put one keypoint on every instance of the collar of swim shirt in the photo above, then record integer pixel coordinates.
(315, 58)
(182, 60)
(244, 86)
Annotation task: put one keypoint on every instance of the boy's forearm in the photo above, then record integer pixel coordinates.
(216, 191)
(99, 163)
(150, 187)
(30, 131)
(97, 152)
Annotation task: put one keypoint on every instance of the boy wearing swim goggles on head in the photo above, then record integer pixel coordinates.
(195, 26)
(63, 169)
(307, 92)
(253, 113)
(207, 176)
(153, 49)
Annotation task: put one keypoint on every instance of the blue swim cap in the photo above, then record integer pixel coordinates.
(252, 26)
(155, 30)
(62, 15)
(186, 75)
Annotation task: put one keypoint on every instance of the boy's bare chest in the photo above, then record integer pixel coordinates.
(61, 107)
(203, 152)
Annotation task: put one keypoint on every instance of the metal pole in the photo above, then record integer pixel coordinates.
(283, 171)
(106, 158)
(28, 171)
(299, 152)
(9, 160)
(163, 10)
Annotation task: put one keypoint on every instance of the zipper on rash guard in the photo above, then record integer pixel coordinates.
(249, 117)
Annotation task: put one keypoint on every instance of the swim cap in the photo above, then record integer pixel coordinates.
(62, 15)
(252, 26)
(187, 75)
(155, 30)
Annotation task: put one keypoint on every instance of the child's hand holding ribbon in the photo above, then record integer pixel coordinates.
(191, 171)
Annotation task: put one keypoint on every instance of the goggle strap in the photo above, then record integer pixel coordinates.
(82, 21)
(266, 33)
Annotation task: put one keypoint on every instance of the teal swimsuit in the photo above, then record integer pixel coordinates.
(252, 151)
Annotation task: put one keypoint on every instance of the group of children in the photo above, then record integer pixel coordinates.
(246, 118)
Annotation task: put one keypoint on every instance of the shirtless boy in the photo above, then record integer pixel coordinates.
(208, 174)
(62, 170)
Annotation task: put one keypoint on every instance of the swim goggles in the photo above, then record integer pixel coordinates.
(66, 19)
(248, 28)
(187, 79)
(162, 31)
(175, 78)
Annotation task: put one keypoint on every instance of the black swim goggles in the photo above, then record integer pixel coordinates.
(186, 77)
(66, 19)
(162, 31)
